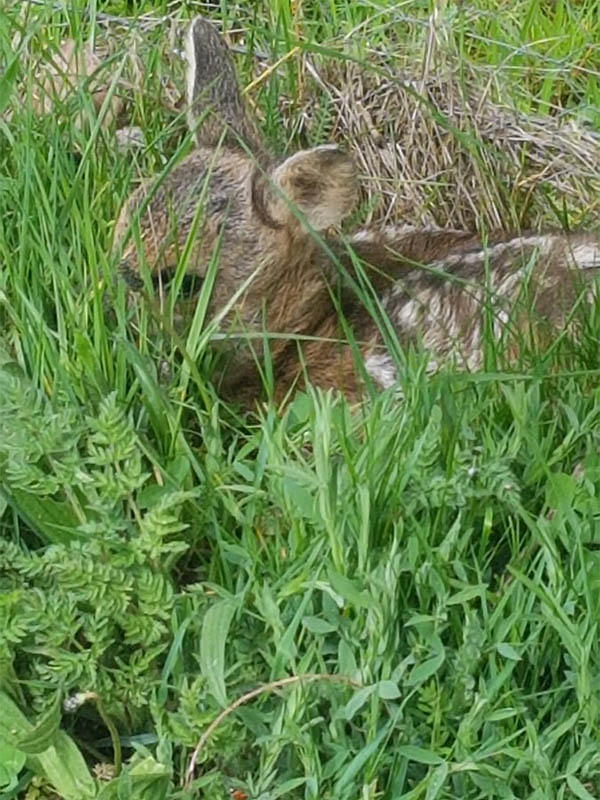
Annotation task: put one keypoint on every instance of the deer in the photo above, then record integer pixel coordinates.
(287, 282)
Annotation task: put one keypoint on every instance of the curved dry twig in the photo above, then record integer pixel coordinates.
(267, 687)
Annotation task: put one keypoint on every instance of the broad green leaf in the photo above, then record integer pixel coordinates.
(286, 647)
(419, 754)
(7, 81)
(508, 651)
(348, 590)
(13, 723)
(436, 781)
(560, 491)
(171, 660)
(300, 497)
(423, 671)
(90, 363)
(64, 767)
(178, 470)
(467, 594)
(357, 701)
(40, 737)
(388, 690)
(318, 625)
(360, 759)
(61, 764)
(579, 789)
(12, 762)
(346, 661)
(146, 779)
(213, 639)
(286, 787)
(54, 522)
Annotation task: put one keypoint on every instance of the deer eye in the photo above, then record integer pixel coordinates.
(190, 284)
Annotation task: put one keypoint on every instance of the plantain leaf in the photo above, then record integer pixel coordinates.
(212, 647)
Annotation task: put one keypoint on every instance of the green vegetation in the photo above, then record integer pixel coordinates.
(162, 556)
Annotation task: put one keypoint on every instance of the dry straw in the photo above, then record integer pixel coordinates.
(436, 139)
(437, 150)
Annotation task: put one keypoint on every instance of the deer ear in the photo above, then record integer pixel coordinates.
(320, 183)
(214, 99)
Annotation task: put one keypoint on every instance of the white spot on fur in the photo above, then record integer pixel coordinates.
(432, 366)
(394, 231)
(190, 75)
(488, 254)
(474, 357)
(387, 234)
(381, 368)
(364, 235)
(586, 256)
(407, 315)
(501, 320)
(510, 283)
(435, 306)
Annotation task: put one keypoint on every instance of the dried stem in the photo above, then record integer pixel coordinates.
(267, 687)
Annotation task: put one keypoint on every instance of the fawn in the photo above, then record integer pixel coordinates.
(281, 270)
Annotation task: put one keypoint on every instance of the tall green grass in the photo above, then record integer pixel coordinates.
(163, 556)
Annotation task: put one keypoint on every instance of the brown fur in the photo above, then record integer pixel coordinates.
(265, 221)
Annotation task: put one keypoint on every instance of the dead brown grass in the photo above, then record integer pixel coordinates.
(435, 147)
(439, 150)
